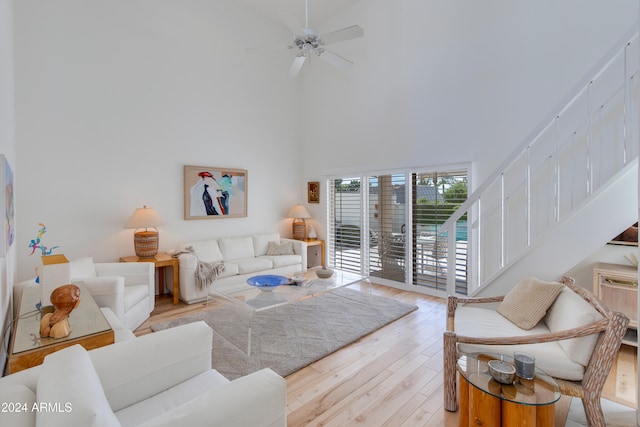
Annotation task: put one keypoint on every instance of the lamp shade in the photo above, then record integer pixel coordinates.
(145, 241)
(298, 211)
(144, 217)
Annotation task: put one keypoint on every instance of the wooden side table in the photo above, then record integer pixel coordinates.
(162, 261)
(316, 242)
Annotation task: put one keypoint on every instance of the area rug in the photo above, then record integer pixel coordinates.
(291, 336)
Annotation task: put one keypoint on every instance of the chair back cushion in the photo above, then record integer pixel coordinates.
(527, 303)
(570, 311)
(81, 268)
(68, 377)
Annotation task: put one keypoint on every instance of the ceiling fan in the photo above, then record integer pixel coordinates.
(308, 42)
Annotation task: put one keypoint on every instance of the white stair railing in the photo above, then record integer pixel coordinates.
(565, 161)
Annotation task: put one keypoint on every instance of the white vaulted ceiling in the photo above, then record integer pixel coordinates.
(319, 10)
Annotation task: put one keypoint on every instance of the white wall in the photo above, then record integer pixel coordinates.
(115, 97)
(8, 148)
(438, 82)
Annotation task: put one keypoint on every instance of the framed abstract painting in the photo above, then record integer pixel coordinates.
(213, 193)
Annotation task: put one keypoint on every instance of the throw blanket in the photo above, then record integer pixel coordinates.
(206, 272)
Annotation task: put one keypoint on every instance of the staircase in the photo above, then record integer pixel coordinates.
(565, 191)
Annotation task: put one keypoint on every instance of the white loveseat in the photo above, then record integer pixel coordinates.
(243, 257)
(160, 379)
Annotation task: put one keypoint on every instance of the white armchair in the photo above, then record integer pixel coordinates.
(127, 288)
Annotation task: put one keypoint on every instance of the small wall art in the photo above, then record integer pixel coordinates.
(214, 193)
(7, 201)
(313, 192)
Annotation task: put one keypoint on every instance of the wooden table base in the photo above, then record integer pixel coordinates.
(478, 408)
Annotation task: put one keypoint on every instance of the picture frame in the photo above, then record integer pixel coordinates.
(7, 202)
(214, 193)
(313, 192)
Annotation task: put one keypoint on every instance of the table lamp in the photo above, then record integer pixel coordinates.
(145, 241)
(299, 226)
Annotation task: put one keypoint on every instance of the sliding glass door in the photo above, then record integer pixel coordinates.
(387, 226)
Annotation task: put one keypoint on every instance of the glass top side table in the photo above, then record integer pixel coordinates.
(484, 401)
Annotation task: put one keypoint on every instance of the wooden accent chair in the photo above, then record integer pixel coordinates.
(611, 328)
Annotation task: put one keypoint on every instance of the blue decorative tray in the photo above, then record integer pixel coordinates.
(267, 282)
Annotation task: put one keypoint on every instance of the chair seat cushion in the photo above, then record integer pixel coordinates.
(178, 395)
(487, 323)
(134, 294)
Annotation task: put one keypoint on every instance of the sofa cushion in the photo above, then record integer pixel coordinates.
(527, 303)
(69, 379)
(82, 267)
(237, 247)
(230, 269)
(571, 311)
(17, 406)
(481, 322)
(207, 250)
(261, 242)
(252, 265)
(284, 260)
(284, 248)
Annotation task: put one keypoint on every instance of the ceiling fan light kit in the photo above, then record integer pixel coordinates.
(307, 41)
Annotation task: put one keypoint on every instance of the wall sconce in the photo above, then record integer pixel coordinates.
(145, 241)
(299, 226)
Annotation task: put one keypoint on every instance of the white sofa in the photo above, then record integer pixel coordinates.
(243, 257)
(160, 379)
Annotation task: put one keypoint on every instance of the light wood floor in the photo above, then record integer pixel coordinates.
(392, 377)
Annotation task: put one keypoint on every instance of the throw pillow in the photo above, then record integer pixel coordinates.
(72, 392)
(527, 303)
(284, 248)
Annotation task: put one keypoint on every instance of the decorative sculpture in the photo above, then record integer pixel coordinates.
(65, 299)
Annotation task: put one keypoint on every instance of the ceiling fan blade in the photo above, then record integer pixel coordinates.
(352, 32)
(273, 48)
(297, 64)
(335, 59)
(292, 24)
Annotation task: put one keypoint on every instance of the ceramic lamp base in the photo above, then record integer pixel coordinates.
(146, 243)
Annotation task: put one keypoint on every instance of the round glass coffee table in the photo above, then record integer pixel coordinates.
(486, 402)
